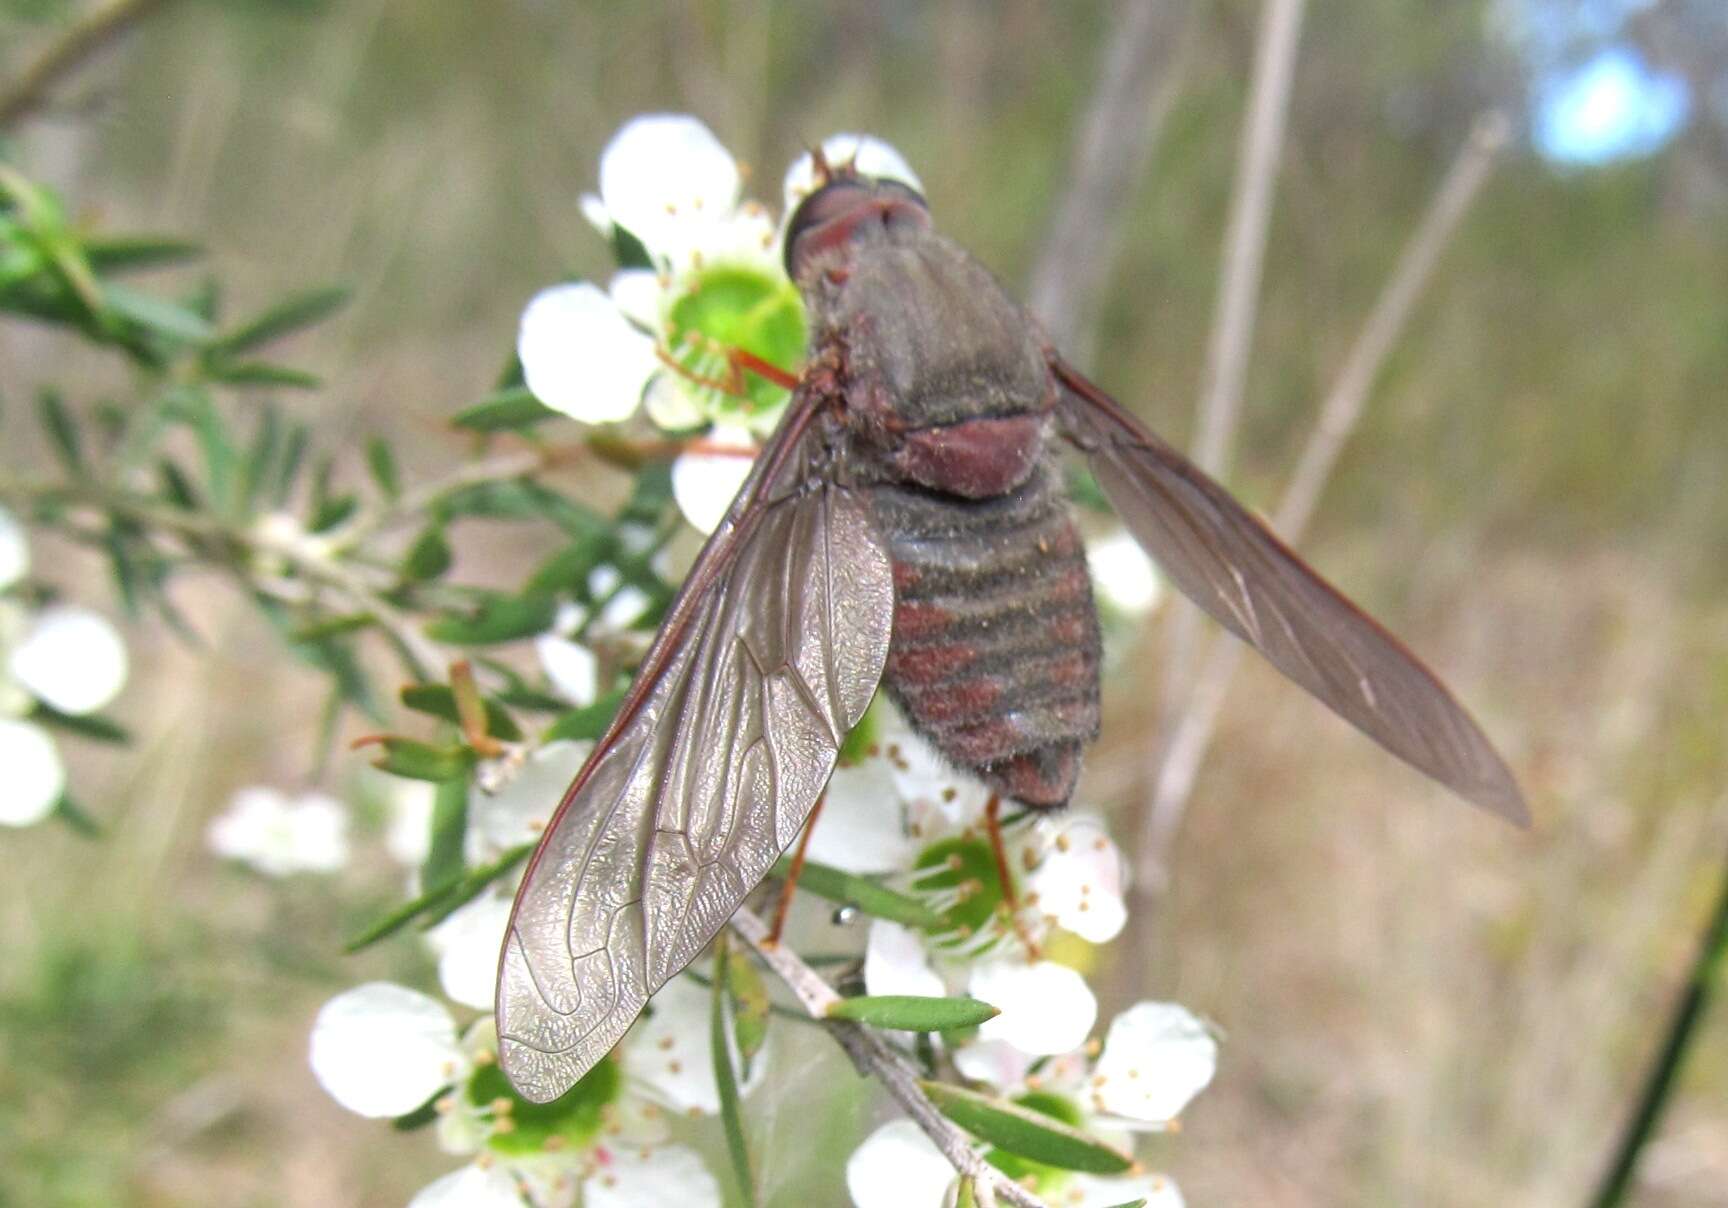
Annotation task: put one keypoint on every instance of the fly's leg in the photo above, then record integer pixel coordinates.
(1010, 900)
(785, 903)
(739, 363)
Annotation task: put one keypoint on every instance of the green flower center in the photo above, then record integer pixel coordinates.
(730, 306)
(959, 875)
(571, 1122)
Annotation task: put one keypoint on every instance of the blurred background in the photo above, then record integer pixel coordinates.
(1421, 1005)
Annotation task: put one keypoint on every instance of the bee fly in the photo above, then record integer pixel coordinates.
(905, 527)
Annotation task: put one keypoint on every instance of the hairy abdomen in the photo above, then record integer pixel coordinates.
(995, 649)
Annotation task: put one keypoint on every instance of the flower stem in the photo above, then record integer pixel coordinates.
(1707, 967)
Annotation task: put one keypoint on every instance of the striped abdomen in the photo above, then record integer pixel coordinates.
(995, 649)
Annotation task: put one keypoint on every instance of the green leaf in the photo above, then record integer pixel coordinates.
(437, 904)
(261, 373)
(421, 1116)
(569, 568)
(156, 315)
(587, 723)
(126, 253)
(85, 725)
(62, 430)
(333, 627)
(428, 557)
(499, 618)
(1025, 1132)
(866, 893)
(506, 411)
(423, 761)
(439, 701)
(748, 999)
(382, 462)
(444, 858)
(913, 1013)
(1139, 1203)
(726, 1081)
(75, 816)
(299, 311)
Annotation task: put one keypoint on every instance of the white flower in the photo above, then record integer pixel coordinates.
(895, 962)
(279, 835)
(581, 356)
(1077, 876)
(467, 945)
(1123, 574)
(897, 1166)
(571, 667)
(408, 806)
(34, 776)
(664, 177)
(1046, 1008)
(383, 1050)
(1157, 1057)
(471, 1187)
(705, 483)
(70, 658)
(14, 550)
(870, 155)
(860, 827)
(519, 812)
(667, 1054)
(633, 1178)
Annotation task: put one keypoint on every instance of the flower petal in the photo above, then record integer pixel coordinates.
(14, 550)
(671, 403)
(667, 1053)
(1157, 1057)
(1124, 574)
(522, 808)
(467, 944)
(1078, 880)
(1046, 1008)
(705, 484)
(71, 658)
(1091, 1191)
(897, 1166)
(940, 800)
(663, 174)
(637, 294)
(670, 1174)
(382, 1050)
(572, 668)
(581, 356)
(872, 156)
(278, 837)
(994, 1061)
(34, 777)
(860, 829)
(470, 1187)
(408, 808)
(895, 962)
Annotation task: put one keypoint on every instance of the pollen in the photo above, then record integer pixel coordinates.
(949, 793)
(504, 1124)
(554, 1143)
(1062, 843)
(501, 1106)
(674, 1067)
(485, 1057)
(667, 1042)
(445, 1105)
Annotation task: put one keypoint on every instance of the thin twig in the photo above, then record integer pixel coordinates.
(1113, 144)
(876, 1058)
(1258, 155)
(75, 45)
(413, 504)
(1702, 980)
(1181, 756)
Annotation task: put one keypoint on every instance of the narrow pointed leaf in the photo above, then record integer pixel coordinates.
(423, 761)
(444, 862)
(749, 1002)
(726, 1081)
(429, 556)
(498, 619)
(585, 724)
(437, 904)
(508, 410)
(867, 894)
(301, 310)
(913, 1013)
(1025, 1132)
(157, 315)
(439, 701)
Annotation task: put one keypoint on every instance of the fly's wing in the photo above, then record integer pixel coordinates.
(769, 655)
(1240, 573)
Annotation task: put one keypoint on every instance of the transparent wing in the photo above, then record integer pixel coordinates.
(768, 657)
(1240, 573)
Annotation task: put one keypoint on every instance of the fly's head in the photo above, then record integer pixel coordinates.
(848, 212)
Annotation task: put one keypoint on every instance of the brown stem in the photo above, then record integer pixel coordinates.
(875, 1058)
(74, 45)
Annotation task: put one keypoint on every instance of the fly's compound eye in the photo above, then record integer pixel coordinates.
(828, 216)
